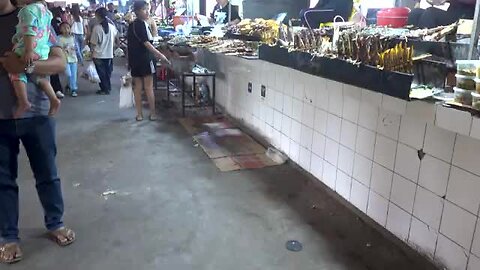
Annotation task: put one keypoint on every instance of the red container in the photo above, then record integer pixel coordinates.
(393, 17)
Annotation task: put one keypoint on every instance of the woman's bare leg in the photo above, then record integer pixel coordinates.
(137, 92)
(148, 85)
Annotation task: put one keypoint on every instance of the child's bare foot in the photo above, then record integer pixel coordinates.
(22, 109)
(54, 106)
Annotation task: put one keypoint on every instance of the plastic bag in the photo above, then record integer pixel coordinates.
(119, 52)
(126, 97)
(92, 74)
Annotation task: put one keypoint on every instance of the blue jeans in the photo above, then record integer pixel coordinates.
(79, 47)
(71, 73)
(104, 69)
(38, 138)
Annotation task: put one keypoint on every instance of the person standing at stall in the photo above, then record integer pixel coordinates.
(140, 62)
(55, 78)
(104, 36)
(67, 41)
(433, 17)
(225, 13)
(78, 31)
(36, 131)
(330, 9)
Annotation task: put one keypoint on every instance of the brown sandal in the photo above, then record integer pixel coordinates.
(63, 236)
(10, 253)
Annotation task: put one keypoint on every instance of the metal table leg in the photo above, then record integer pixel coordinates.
(213, 93)
(475, 31)
(183, 95)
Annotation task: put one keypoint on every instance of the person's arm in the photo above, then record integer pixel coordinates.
(153, 27)
(156, 52)
(235, 18)
(94, 38)
(53, 65)
(28, 54)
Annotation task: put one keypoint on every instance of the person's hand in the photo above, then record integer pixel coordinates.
(12, 63)
(162, 57)
(436, 2)
(28, 57)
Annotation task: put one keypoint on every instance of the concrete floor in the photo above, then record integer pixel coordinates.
(175, 210)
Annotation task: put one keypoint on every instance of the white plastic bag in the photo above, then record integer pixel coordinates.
(126, 97)
(92, 74)
(119, 53)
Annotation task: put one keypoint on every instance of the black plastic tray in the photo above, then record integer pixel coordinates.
(394, 84)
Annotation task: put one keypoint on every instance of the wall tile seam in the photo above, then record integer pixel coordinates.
(470, 121)
(395, 163)
(465, 251)
(470, 257)
(370, 182)
(460, 168)
(448, 182)
(418, 180)
(409, 241)
(446, 195)
(473, 238)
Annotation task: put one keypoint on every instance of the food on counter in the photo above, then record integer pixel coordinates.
(179, 40)
(467, 72)
(313, 40)
(476, 101)
(468, 67)
(433, 34)
(466, 82)
(463, 96)
(375, 50)
(267, 30)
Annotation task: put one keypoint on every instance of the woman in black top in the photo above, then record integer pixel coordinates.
(141, 54)
(226, 13)
(339, 7)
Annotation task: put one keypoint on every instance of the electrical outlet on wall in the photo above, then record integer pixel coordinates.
(250, 87)
(263, 91)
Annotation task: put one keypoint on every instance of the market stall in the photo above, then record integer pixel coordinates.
(384, 130)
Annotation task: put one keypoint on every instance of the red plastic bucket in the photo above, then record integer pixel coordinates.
(393, 17)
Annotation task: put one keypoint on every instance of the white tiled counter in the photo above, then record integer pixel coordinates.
(413, 167)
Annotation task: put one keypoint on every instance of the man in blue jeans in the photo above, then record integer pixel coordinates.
(36, 131)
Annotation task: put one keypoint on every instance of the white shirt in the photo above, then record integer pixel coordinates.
(103, 43)
(77, 27)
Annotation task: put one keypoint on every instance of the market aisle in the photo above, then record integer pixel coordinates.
(174, 210)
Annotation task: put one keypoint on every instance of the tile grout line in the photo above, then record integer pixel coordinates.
(473, 238)
(445, 199)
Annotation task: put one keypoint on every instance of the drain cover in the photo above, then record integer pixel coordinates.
(294, 246)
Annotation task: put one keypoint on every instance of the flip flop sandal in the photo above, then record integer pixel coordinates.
(153, 118)
(139, 118)
(65, 234)
(11, 248)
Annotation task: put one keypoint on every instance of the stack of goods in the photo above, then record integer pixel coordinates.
(375, 50)
(234, 47)
(398, 58)
(203, 41)
(312, 40)
(467, 91)
(433, 34)
(267, 30)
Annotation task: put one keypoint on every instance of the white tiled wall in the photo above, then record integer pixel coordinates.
(365, 146)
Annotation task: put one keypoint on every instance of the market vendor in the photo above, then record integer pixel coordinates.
(433, 17)
(225, 13)
(313, 17)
